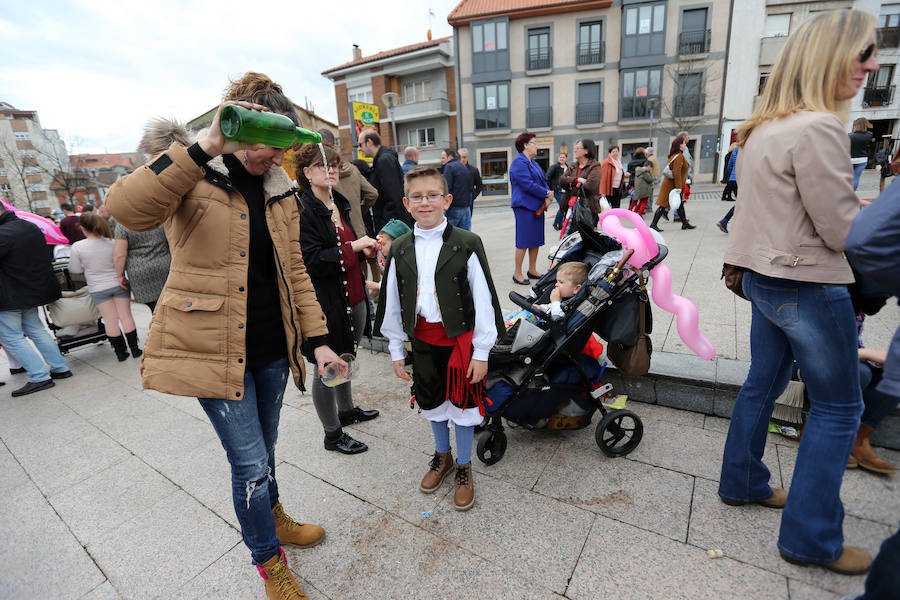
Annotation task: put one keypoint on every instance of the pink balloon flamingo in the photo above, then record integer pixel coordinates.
(52, 233)
(644, 245)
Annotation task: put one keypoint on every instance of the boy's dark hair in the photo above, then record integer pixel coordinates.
(576, 271)
(423, 171)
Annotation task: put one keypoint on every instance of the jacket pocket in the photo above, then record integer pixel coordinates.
(193, 322)
(190, 225)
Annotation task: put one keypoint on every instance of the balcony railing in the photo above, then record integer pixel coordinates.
(635, 107)
(693, 42)
(889, 37)
(538, 58)
(878, 96)
(539, 116)
(588, 112)
(689, 105)
(590, 53)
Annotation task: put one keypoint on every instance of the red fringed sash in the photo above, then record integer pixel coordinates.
(458, 389)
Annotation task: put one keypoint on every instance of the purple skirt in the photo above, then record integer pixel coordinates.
(529, 228)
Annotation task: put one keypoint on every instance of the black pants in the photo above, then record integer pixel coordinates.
(730, 191)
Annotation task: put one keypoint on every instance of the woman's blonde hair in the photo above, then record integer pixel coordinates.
(861, 124)
(816, 58)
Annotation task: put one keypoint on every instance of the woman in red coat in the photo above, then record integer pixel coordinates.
(613, 177)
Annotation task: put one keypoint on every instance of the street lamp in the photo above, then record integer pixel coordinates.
(652, 103)
(390, 100)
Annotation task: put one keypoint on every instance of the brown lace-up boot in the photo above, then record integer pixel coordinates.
(290, 531)
(865, 456)
(464, 497)
(280, 583)
(441, 464)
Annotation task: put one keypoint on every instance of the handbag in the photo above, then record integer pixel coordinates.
(734, 278)
(634, 360)
(675, 199)
(667, 172)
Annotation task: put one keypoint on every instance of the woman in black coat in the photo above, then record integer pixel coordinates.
(331, 253)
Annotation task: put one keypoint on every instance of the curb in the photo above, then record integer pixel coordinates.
(711, 388)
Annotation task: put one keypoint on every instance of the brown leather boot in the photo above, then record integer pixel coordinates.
(441, 464)
(280, 583)
(290, 531)
(865, 456)
(464, 497)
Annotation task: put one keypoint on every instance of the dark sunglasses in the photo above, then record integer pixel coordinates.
(867, 53)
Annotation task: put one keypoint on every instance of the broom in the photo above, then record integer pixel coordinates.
(789, 405)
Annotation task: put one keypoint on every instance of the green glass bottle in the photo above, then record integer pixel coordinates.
(258, 127)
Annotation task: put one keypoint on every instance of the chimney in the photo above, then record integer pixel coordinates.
(357, 53)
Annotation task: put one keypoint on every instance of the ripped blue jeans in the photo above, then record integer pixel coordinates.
(248, 430)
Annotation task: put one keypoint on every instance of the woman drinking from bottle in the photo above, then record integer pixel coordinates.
(236, 306)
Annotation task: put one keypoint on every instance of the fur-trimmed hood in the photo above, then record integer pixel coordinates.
(160, 133)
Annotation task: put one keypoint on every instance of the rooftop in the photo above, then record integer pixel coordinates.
(470, 10)
(103, 161)
(388, 54)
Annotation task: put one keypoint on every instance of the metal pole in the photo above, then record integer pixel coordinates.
(651, 128)
(394, 128)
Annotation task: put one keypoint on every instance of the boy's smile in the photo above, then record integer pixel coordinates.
(427, 212)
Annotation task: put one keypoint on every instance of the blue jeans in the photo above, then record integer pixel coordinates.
(857, 172)
(248, 430)
(878, 405)
(561, 213)
(460, 216)
(813, 324)
(15, 326)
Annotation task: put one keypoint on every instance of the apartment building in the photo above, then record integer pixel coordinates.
(631, 73)
(759, 32)
(30, 159)
(413, 91)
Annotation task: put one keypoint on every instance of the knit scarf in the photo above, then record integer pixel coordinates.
(459, 391)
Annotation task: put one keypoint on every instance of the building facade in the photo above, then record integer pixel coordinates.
(630, 73)
(423, 115)
(30, 159)
(759, 31)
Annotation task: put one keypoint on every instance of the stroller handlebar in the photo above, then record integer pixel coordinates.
(663, 251)
(525, 303)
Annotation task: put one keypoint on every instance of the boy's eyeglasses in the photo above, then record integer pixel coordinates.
(867, 53)
(419, 199)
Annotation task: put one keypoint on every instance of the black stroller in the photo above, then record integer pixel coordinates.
(536, 366)
(73, 319)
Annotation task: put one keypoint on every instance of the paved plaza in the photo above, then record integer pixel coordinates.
(111, 491)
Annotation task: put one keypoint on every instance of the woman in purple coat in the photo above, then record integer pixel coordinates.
(530, 198)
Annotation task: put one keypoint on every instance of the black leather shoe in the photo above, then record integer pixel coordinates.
(357, 415)
(345, 445)
(32, 387)
(62, 375)
(17, 371)
(687, 225)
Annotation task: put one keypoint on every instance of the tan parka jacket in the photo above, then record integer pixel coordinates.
(196, 342)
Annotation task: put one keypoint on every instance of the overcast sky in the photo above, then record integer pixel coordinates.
(97, 70)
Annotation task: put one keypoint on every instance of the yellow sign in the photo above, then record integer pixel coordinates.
(365, 116)
(544, 141)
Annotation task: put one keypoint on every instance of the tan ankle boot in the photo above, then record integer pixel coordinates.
(464, 497)
(853, 561)
(441, 464)
(290, 531)
(865, 456)
(280, 583)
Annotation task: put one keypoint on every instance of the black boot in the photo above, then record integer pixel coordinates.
(118, 345)
(656, 216)
(685, 224)
(131, 338)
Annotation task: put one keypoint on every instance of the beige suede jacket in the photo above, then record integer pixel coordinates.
(795, 200)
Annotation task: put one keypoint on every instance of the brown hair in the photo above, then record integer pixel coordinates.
(675, 148)
(423, 171)
(259, 89)
(859, 125)
(576, 271)
(94, 223)
(522, 140)
(309, 155)
(369, 134)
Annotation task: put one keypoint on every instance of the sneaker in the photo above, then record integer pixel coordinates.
(32, 387)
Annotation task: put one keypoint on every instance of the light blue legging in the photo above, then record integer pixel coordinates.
(464, 435)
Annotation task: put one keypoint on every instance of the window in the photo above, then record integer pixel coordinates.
(416, 91)
(5, 188)
(490, 50)
(2, 172)
(421, 137)
(22, 135)
(492, 106)
(879, 91)
(694, 36)
(777, 25)
(360, 94)
(37, 187)
(889, 31)
(637, 87)
(763, 78)
(539, 112)
(589, 107)
(542, 158)
(882, 77)
(32, 170)
(494, 168)
(889, 20)
(28, 153)
(590, 49)
(688, 101)
(645, 30)
(538, 55)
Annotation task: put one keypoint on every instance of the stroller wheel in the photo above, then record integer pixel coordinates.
(491, 447)
(619, 432)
